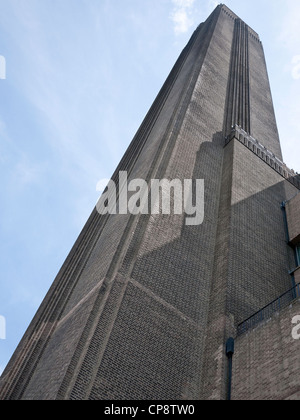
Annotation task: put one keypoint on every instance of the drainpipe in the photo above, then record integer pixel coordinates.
(229, 354)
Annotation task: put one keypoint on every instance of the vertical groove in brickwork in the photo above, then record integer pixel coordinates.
(238, 95)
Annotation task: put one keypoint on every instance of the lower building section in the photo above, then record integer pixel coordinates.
(292, 208)
(293, 216)
(266, 361)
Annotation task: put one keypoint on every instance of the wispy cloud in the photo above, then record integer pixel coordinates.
(288, 106)
(2, 67)
(213, 3)
(296, 67)
(182, 15)
(290, 30)
(64, 88)
(289, 35)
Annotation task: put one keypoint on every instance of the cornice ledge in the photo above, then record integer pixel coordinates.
(264, 154)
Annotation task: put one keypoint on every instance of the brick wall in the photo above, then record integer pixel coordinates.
(293, 216)
(252, 258)
(266, 363)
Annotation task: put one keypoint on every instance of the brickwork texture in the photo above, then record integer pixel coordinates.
(143, 305)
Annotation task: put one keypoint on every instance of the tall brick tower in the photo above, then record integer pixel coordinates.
(144, 305)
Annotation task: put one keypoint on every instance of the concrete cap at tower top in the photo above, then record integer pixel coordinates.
(235, 16)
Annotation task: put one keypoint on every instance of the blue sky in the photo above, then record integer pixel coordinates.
(80, 77)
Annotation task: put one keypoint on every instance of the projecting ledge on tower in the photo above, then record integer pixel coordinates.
(263, 153)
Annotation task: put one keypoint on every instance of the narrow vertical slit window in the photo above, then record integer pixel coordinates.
(298, 254)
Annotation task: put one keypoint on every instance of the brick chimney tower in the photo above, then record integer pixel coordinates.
(144, 304)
